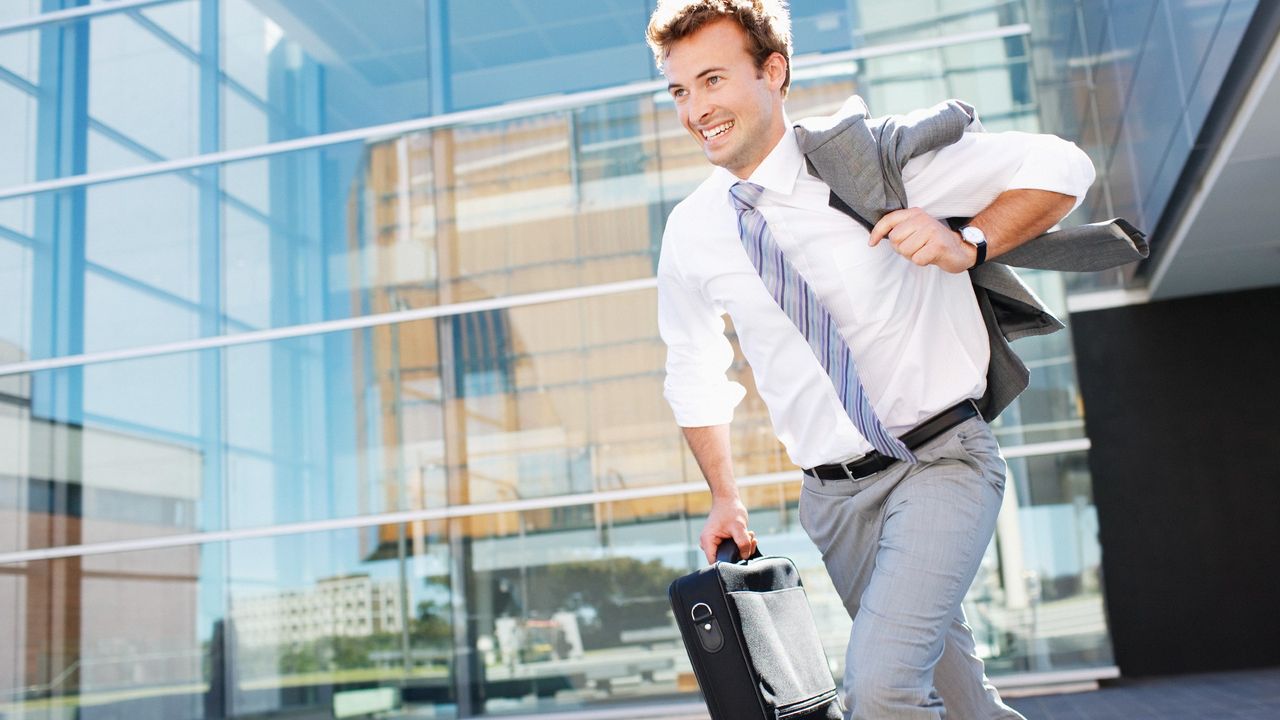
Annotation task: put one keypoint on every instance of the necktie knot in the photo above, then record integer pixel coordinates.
(745, 195)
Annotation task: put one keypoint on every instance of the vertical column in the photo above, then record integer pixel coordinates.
(57, 397)
(212, 600)
(468, 668)
(441, 74)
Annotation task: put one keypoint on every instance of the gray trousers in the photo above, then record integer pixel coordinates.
(902, 547)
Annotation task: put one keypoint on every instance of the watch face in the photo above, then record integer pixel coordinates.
(972, 235)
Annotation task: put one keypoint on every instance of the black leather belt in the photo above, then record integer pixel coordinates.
(874, 461)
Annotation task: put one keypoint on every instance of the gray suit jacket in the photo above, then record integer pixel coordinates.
(861, 159)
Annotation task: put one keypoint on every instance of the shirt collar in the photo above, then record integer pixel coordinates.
(779, 169)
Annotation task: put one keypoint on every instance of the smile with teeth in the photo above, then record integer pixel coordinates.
(717, 130)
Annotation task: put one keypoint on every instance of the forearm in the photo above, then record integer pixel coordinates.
(1016, 216)
(710, 446)
(728, 517)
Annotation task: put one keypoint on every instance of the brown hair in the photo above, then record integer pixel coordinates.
(766, 22)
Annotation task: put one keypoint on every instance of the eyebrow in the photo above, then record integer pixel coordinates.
(704, 73)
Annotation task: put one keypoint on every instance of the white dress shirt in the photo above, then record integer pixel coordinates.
(915, 332)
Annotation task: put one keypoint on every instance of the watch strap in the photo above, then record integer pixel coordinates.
(982, 254)
(958, 224)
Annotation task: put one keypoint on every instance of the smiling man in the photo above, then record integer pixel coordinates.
(878, 355)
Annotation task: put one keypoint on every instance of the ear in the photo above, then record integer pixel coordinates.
(775, 69)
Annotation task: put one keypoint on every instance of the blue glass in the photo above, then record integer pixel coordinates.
(1226, 41)
(542, 48)
(288, 71)
(186, 77)
(143, 85)
(19, 10)
(16, 259)
(17, 118)
(822, 26)
(1155, 106)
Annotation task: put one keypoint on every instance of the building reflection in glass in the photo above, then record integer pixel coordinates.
(550, 497)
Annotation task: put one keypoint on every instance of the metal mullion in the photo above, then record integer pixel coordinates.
(461, 511)
(134, 146)
(19, 82)
(24, 240)
(87, 11)
(138, 148)
(506, 111)
(380, 519)
(328, 326)
(197, 57)
(936, 20)
(109, 423)
(230, 198)
(163, 295)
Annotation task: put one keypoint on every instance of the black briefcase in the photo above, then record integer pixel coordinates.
(752, 641)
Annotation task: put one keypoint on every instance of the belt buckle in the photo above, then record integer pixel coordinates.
(849, 473)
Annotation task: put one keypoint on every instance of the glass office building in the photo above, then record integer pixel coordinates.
(330, 381)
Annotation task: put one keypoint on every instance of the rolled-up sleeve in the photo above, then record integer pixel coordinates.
(963, 178)
(698, 353)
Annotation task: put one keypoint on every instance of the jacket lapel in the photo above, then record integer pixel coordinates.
(836, 149)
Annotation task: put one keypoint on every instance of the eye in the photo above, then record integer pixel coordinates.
(714, 80)
(679, 93)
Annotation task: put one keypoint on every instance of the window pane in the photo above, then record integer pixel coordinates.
(1051, 408)
(323, 622)
(543, 48)
(305, 623)
(1037, 603)
(143, 83)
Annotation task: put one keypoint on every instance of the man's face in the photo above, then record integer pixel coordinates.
(732, 108)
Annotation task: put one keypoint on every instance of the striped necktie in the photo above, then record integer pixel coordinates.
(801, 304)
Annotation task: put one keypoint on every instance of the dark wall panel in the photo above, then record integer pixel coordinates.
(1183, 410)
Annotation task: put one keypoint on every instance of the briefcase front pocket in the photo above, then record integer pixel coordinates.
(784, 650)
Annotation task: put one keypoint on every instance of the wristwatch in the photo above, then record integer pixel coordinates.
(975, 237)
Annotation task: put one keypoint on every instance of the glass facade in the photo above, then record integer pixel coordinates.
(372, 423)
(1132, 82)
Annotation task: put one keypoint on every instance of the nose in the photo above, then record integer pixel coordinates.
(699, 108)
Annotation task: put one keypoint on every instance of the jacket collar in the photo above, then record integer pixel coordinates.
(843, 165)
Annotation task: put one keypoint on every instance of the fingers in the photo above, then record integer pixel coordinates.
(710, 544)
(916, 236)
(927, 254)
(901, 226)
(744, 539)
(710, 541)
(886, 225)
(718, 531)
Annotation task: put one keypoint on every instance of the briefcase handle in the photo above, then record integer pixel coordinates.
(728, 552)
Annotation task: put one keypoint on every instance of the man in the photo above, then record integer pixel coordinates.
(868, 347)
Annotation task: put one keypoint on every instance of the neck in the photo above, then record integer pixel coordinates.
(774, 137)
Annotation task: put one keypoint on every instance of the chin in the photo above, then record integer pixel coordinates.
(724, 157)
